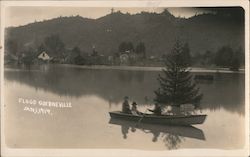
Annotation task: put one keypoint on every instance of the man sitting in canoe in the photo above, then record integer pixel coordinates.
(157, 110)
(125, 106)
(134, 110)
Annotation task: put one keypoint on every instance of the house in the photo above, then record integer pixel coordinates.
(124, 59)
(44, 56)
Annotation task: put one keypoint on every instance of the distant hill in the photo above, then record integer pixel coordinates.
(204, 32)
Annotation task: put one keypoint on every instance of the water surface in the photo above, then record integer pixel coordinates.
(93, 93)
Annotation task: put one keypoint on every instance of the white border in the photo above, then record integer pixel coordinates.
(5, 151)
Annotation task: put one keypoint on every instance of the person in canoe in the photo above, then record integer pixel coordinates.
(157, 110)
(134, 110)
(125, 106)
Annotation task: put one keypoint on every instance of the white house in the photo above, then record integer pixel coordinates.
(44, 56)
(124, 59)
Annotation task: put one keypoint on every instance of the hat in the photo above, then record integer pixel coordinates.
(134, 103)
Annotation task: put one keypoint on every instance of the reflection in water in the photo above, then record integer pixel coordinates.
(172, 141)
(226, 91)
(94, 93)
(156, 134)
(172, 136)
(125, 131)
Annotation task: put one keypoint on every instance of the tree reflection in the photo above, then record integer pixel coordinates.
(172, 141)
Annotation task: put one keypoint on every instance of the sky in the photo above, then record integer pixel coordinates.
(16, 16)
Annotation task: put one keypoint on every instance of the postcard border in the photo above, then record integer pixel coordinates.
(128, 152)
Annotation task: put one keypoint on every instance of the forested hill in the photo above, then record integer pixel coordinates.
(158, 32)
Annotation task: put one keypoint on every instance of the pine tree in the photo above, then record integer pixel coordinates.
(176, 85)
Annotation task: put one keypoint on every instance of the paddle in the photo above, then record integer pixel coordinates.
(143, 114)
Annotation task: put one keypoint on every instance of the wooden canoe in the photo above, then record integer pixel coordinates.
(163, 119)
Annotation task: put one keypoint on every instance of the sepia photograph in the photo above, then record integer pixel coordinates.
(149, 78)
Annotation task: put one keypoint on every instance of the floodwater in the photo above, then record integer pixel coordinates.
(87, 95)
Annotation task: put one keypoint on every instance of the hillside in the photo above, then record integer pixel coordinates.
(158, 32)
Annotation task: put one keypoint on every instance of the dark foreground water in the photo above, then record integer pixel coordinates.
(84, 98)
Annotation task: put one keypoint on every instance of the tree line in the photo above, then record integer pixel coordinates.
(225, 56)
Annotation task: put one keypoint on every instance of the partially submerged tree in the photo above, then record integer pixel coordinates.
(176, 83)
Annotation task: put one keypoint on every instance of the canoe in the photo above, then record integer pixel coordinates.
(163, 119)
(156, 129)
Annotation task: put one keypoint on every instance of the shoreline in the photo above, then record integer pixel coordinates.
(136, 68)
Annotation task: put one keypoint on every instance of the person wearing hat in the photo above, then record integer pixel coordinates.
(125, 106)
(134, 109)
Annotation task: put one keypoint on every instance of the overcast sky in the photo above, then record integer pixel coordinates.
(16, 16)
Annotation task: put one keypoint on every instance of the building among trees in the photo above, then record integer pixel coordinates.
(44, 56)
